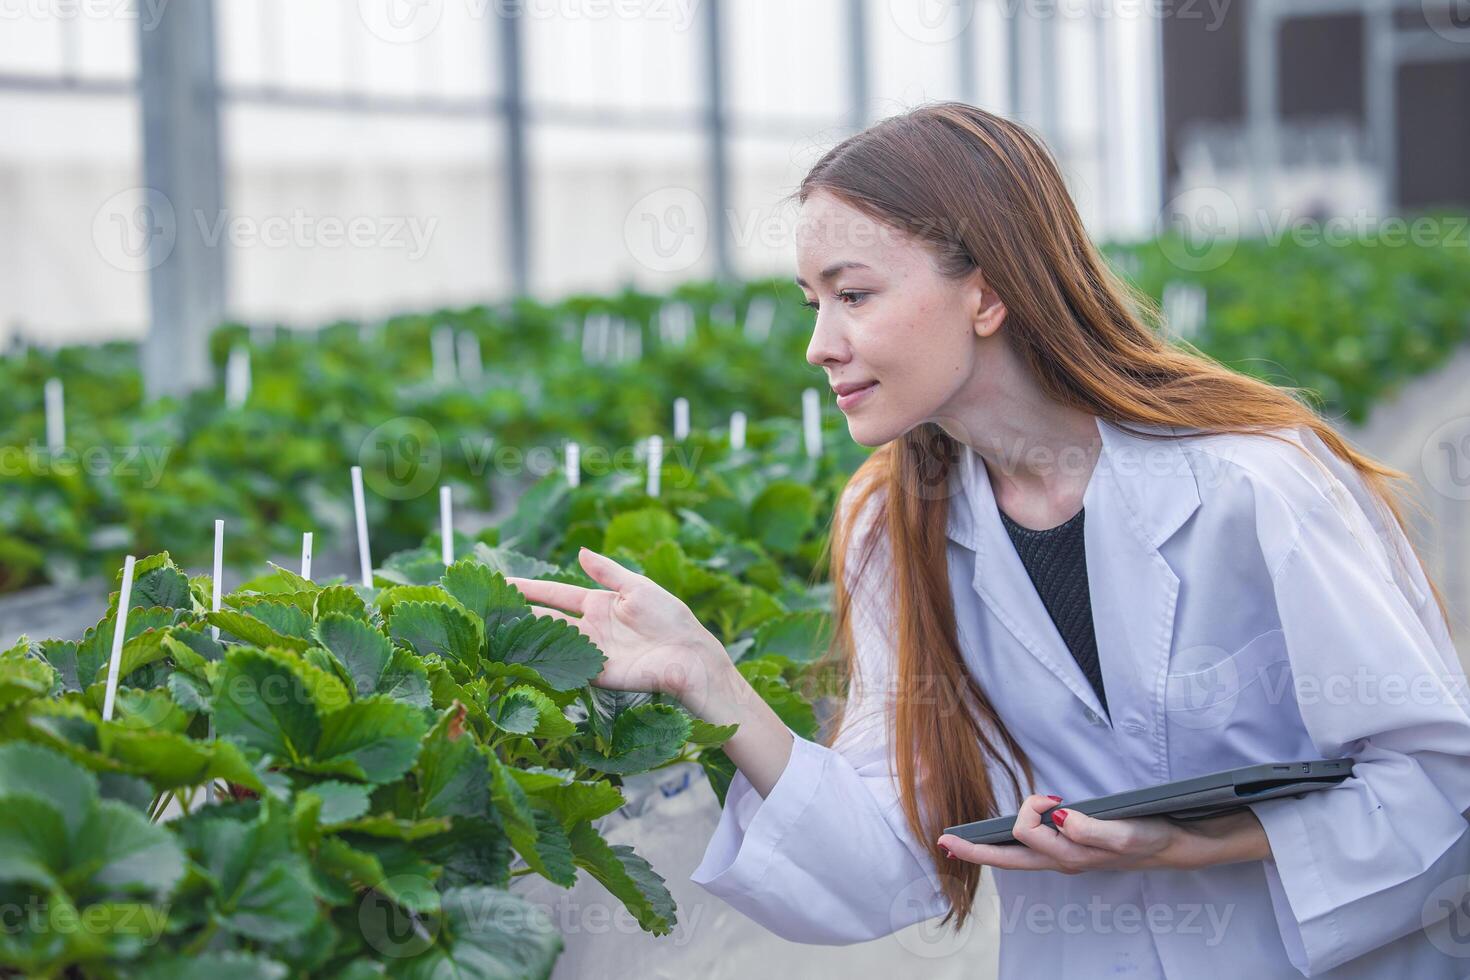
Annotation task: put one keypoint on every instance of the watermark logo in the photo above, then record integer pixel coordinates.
(402, 458)
(400, 21)
(135, 229)
(931, 21)
(1197, 229)
(667, 230)
(1446, 459)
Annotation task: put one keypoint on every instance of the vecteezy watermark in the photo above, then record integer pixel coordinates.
(37, 915)
(147, 12)
(1450, 19)
(404, 458)
(1446, 458)
(931, 21)
(410, 21)
(1099, 917)
(667, 230)
(137, 229)
(1450, 903)
(146, 463)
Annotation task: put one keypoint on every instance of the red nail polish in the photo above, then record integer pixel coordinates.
(1059, 817)
(1054, 799)
(946, 852)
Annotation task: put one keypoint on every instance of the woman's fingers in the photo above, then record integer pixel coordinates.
(572, 598)
(605, 571)
(1008, 856)
(555, 614)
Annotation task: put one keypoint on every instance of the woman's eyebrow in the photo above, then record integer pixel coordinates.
(832, 270)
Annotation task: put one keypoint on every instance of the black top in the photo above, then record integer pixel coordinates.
(1057, 563)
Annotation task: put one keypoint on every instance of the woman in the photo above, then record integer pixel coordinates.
(1081, 561)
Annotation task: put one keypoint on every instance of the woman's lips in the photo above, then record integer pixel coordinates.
(855, 395)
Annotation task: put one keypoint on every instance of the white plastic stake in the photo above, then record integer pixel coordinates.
(655, 463)
(237, 376)
(119, 634)
(359, 505)
(446, 524)
(441, 347)
(471, 368)
(219, 567)
(681, 419)
(574, 464)
(306, 556)
(811, 422)
(737, 430)
(759, 316)
(55, 416)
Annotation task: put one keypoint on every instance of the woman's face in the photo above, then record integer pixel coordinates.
(899, 342)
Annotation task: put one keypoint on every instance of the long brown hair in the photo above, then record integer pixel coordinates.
(983, 192)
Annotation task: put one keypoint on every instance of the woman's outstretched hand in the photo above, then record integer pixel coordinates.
(650, 638)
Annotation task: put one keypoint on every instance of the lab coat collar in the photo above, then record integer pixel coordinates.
(1141, 491)
(1151, 477)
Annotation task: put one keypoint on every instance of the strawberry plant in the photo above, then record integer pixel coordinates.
(385, 761)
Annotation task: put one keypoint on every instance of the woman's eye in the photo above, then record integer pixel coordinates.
(851, 296)
(809, 304)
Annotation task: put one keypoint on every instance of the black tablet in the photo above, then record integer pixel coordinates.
(1183, 799)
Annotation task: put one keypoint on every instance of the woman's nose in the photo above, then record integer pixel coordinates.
(826, 346)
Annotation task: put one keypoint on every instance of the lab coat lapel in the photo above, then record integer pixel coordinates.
(1141, 491)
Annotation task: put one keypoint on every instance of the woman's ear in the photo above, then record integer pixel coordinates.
(990, 312)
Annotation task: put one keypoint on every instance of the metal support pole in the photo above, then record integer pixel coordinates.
(719, 151)
(182, 173)
(517, 182)
(857, 38)
(1262, 62)
(1380, 94)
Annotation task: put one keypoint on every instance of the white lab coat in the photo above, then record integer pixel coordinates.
(1246, 611)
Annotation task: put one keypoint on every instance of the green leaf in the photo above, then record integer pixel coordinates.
(765, 675)
(452, 777)
(484, 934)
(545, 649)
(264, 700)
(437, 628)
(24, 678)
(706, 735)
(510, 563)
(548, 719)
(516, 713)
(341, 599)
(362, 650)
(51, 777)
(639, 530)
(782, 515)
(375, 739)
(248, 629)
(278, 580)
(573, 800)
(158, 582)
(628, 877)
(286, 617)
(212, 966)
(485, 593)
(801, 637)
(340, 801)
(644, 738)
(117, 849)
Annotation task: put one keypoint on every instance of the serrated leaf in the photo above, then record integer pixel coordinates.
(511, 564)
(248, 629)
(22, 679)
(158, 582)
(643, 738)
(452, 778)
(801, 637)
(628, 877)
(375, 739)
(341, 599)
(548, 721)
(437, 628)
(485, 593)
(264, 700)
(486, 934)
(545, 649)
(340, 801)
